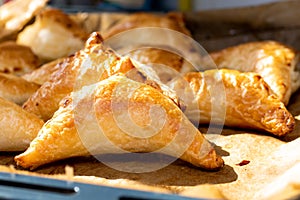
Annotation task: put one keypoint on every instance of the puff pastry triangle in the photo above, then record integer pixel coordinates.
(248, 99)
(46, 100)
(111, 100)
(275, 62)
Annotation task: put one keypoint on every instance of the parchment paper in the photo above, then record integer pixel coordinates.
(258, 165)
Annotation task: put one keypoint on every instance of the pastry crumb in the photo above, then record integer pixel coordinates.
(244, 162)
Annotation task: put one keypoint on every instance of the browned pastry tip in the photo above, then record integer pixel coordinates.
(285, 122)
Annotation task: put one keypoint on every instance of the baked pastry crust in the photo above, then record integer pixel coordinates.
(18, 127)
(275, 62)
(53, 35)
(163, 62)
(157, 56)
(17, 59)
(249, 103)
(46, 100)
(16, 89)
(59, 138)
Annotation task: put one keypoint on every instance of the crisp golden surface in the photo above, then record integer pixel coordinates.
(46, 100)
(17, 59)
(250, 103)
(53, 35)
(275, 62)
(16, 89)
(18, 127)
(59, 139)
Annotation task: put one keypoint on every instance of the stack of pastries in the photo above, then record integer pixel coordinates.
(56, 69)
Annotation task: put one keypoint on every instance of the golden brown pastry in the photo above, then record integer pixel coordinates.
(249, 103)
(46, 100)
(43, 73)
(161, 61)
(16, 89)
(53, 35)
(59, 138)
(17, 59)
(275, 62)
(14, 15)
(18, 127)
(173, 21)
(157, 56)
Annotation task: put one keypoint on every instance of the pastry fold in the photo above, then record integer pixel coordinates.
(247, 98)
(275, 62)
(73, 133)
(18, 127)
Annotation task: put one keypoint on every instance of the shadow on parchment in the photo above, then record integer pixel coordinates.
(179, 173)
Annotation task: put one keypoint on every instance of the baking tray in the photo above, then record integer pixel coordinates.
(16, 186)
(214, 30)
